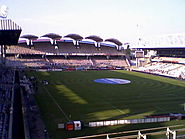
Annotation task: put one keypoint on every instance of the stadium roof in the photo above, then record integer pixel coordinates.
(113, 40)
(30, 37)
(9, 32)
(7, 24)
(95, 38)
(74, 37)
(52, 36)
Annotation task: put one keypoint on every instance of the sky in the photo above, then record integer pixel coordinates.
(125, 20)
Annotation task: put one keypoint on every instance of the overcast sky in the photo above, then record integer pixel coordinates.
(121, 19)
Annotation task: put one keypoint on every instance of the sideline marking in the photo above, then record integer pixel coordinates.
(60, 108)
(57, 104)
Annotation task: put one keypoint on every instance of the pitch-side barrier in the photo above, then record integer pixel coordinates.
(78, 125)
(131, 121)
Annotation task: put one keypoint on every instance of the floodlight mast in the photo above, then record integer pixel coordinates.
(4, 11)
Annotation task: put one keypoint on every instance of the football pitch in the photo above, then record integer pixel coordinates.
(75, 96)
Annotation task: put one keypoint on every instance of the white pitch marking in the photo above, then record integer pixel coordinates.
(65, 115)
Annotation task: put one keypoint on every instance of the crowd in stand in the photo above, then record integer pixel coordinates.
(65, 48)
(34, 125)
(69, 55)
(6, 89)
(170, 59)
(70, 62)
(175, 70)
(110, 63)
(62, 62)
(22, 63)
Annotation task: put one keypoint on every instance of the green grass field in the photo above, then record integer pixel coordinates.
(80, 98)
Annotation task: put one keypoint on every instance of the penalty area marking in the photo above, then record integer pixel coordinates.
(65, 115)
(112, 81)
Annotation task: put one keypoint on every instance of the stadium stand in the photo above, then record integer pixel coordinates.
(29, 62)
(63, 48)
(6, 91)
(111, 62)
(42, 54)
(173, 67)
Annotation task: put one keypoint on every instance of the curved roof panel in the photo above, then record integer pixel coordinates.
(113, 40)
(95, 38)
(30, 37)
(74, 36)
(52, 36)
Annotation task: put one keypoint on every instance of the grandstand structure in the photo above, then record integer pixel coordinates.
(166, 55)
(6, 102)
(166, 66)
(50, 51)
(10, 104)
(9, 35)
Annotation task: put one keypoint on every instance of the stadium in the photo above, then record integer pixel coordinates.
(74, 86)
